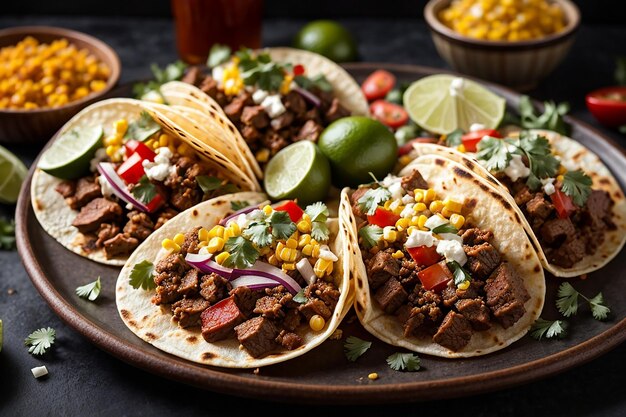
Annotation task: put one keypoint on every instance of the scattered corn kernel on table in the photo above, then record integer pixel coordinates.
(84, 380)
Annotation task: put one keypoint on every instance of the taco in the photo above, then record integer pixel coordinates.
(442, 263)
(573, 208)
(141, 174)
(240, 290)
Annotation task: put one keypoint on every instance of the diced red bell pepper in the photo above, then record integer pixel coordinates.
(135, 146)
(408, 147)
(435, 277)
(219, 320)
(298, 69)
(424, 255)
(383, 218)
(131, 169)
(293, 209)
(470, 140)
(562, 203)
(155, 203)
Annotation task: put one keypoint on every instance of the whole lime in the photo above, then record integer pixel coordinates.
(328, 38)
(356, 146)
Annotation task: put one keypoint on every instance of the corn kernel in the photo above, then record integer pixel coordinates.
(316, 251)
(288, 266)
(457, 220)
(235, 228)
(150, 143)
(216, 244)
(273, 260)
(170, 245)
(222, 257)
(435, 206)
(317, 323)
(421, 221)
(164, 140)
(307, 249)
(203, 244)
(461, 148)
(262, 155)
(304, 226)
(291, 243)
(321, 266)
(287, 254)
(452, 205)
(216, 231)
(419, 195)
(120, 127)
(559, 178)
(405, 160)
(304, 240)
(268, 210)
(419, 207)
(402, 224)
(464, 285)
(179, 239)
(203, 235)
(389, 234)
(429, 195)
(373, 376)
(111, 150)
(398, 254)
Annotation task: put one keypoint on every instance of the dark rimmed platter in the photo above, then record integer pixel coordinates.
(324, 375)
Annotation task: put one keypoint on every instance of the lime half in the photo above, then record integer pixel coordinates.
(299, 171)
(443, 103)
(12, 174)
(69, 155)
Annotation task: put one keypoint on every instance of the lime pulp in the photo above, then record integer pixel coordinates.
(12, 174)
(69, 155)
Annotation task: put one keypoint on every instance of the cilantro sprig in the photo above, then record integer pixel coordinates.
(453, 139)
(371, 234)
(144, 190)
(7, 234)
(354, 348)
(494, 153)
(372, 198)
(300, 297)
(548, 329)
(445, 228)
(213, 186)
(404, 362)
(459, 273)
(218, 55)
(40, 340)
(89, 291)
(141, 276)
(550, 119)
(242, 252)
(577, 185)
(318, 213)
(142, 128)
(238, 205)
(567, 302)
(171, 72)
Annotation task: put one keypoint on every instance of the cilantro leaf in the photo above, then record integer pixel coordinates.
(7, 234)
(144, 190)
(171, 72)
(238, 205)
(550, 119)
(577, 185)
(141, 276)
(620, 70)
(539, 153)
(282, 226)
(318, 212)
(142, 128)
(300, 297)
(549, 329)
(598, 309)
(218, 55)
(404, 362)
(371, 234)
(208, 184)
(372, 197)
(493, 153)
(242, 253)
(453, 139)
(89, 291)
(319, 81)
(320, 231)
(460, 274)
(40, 340)
(259, 234)
(445, 228)
(567, 301)
(355, 347)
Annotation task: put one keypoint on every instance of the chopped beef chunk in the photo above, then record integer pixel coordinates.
(539, 208)
(568, 254)
(269, 307)
(554, 232)
(288, 340)
(245, 299)
(173, 263)
(325, 291)
(523, 196)
(191, 242)
(475, 236)
(219, 320)
(481, 260)
(292, 319)
(195, 170)
(454, 332)
(506, 295)
(214, 288)
(255, 116)
(250, 134)
(476, 312)
(411, 318)
(597, 211)
(257, 336)
(294, 103)
(106, 232)
(413, 181)
(66, 188)
(86, 191)
(312, 114)
(315, 306)
(390, 295)
(120, 245)
(282, 121)
(209, 86)
(310, 130)
(170, 272)
(183, 198)
(164, 216)
(336, 111)
(380, 268)
(192, 75)
(448, 295)
(234, 109)
(354, 199)
(187, 311)
(189, 284)
(139, 225)
(274, 142)
(96, 212)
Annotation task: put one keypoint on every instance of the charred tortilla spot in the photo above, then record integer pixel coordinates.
(144, 318)
(207, 355)
(219, 202)
(359, 282)
(194, 213)
(471, 203)
(192, 339)
(527, 256)
(495, 339)
(126, 314)
(39, 204)
(461, 172)
(439, 161)
(537, 268)
(132, 323)
(151, 336)
(231, 128)
(359, 307)
(538, 305)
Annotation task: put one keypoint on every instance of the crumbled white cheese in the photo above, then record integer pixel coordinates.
(407, 199)
(273, 106)
(327, 254)
(259, 95)
(218, 74)
(548, 186)
(516, 168)
(39, 371)
(390, 179)
(451, 236)
(161, 167)
(476, 127)
(452, 250)
(395, 204)
(456, 87)
(435, 221)
(396, 190)
(105, 187)
(100, 156)
(129, 206)
(407, 211)
(420, 238)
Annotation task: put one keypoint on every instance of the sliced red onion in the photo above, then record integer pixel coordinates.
(308, 96)
(306, 270)
(107, 170)
(266, 270)
(254, 282)
(204, 264)
(244, 210)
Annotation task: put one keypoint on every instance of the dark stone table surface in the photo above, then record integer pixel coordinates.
(85, 381)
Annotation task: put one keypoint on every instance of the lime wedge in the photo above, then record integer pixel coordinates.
(299, 171)
(69, 155)
(443, 103)
(12, 174)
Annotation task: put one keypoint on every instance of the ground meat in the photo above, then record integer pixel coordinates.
(173, 263)
(209, 86)
(139, 225)
(274, 142)
(284, 120)
(189, 284)
(555, 232)
(315, 306)
(413, 181)
(325, 291)
(86, 190)
(481, 260)
(539, 208)
(408, 273)
(448, 295)
(292, 319)
(354, 199)
(294, 103)
(454, 333)
(250, 134)
(380, 268)
(269, 307)
(187, 311)
(289, 340)
(245, 299)
(192, 75)
(257, 336)
(255, 116)
(506, 295)
(234, 109)
(106, 232)
(96, 212)
(411, 318)
(475, 236)
(190, 244)
(476, 312)
(336, 111)
(219, 320)
(120, 245)
(523, 196)
(66, 188)
(184, 198)
(164, 216)
(391, 295)
(568, 254)
(214, 288)
(310, 130)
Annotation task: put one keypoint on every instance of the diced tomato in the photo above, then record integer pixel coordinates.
(294, 210)
(131, 169)
(424, 255)
(298, 70)
(135, 146)
(219, 319)
(562, 203)
(156, 202)
(389, 114)
(383, 218)
(471, 139)
(435, 277)
(378, 84)
(408, 147)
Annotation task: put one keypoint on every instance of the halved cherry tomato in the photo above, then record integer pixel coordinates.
(389, 114)
(608, 105)
(293, 210)
(378, 84)
(131, 169)
(155, 203)
(435, 277)
(471, 139)
(135, 146)
(562, 203)
(408, 147)
(383, 218)
(298, 69)
(424, 255)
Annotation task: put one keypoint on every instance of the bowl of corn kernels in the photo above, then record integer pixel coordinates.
(47, 75)
(512, 42)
